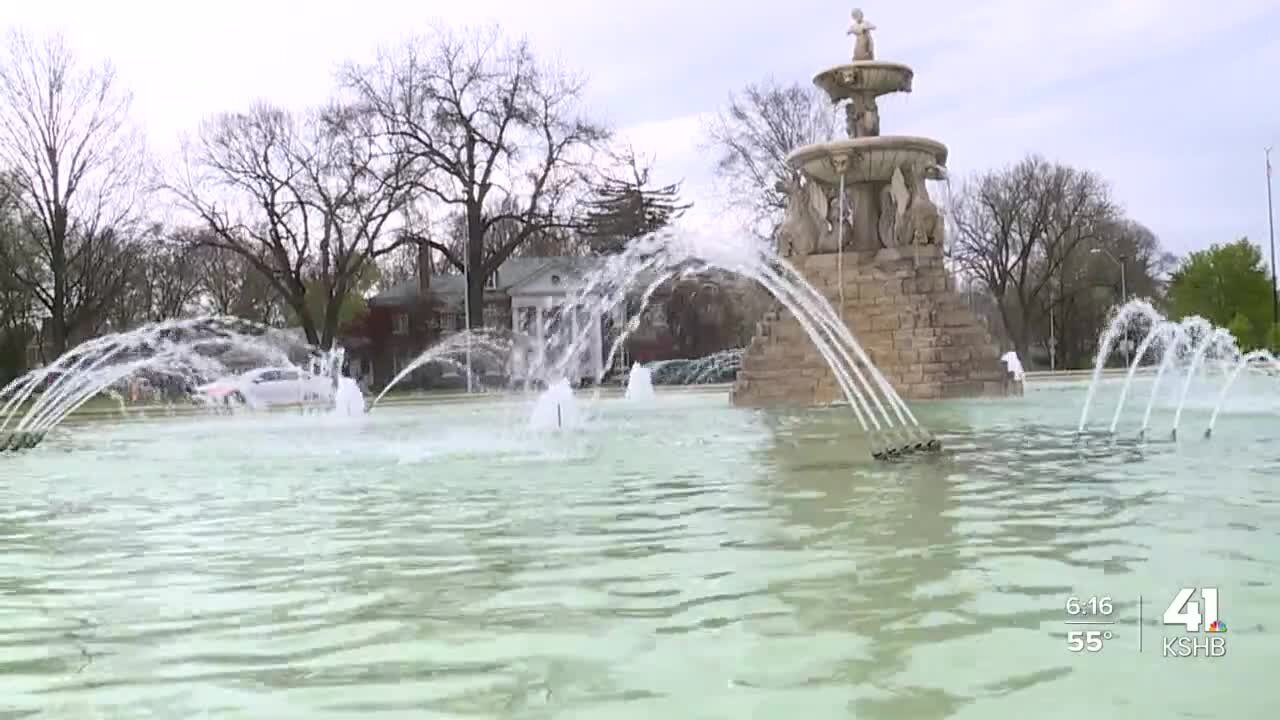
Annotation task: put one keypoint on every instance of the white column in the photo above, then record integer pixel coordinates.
(597, 346)
(575, 362)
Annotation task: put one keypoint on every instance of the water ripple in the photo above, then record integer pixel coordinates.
(691, 561)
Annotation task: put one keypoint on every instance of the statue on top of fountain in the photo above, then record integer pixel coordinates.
(864, 48)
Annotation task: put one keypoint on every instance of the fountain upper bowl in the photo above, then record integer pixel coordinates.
(871, 159)
(870, 77)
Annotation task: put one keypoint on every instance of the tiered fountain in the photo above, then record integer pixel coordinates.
(861, 227)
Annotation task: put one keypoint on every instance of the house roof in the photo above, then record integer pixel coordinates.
(514, 272)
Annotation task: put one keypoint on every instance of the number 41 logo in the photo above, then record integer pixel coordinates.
(1186, 612)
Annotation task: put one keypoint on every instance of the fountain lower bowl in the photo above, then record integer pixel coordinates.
(865, 77)
(871, 159)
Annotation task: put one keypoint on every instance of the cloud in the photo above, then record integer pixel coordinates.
(678, 149)
(1162, 97)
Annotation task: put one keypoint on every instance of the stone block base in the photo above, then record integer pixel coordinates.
(900, 306)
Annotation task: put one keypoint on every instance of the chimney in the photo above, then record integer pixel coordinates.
(424, 270)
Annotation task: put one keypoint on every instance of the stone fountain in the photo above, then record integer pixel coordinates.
(860, 225)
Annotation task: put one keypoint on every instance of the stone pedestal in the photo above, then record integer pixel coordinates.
(899, 305)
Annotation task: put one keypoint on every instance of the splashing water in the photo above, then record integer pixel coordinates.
(720, 366)
(649, 263)
(1013, 365)
(348, 401)
(180, 353)
(633, 277)
(1110, 336)
(465, 351)
(1221, 343)
(640, 384)
(1189, 344)
(556, 408)
(1182, 335)
(1259, 357)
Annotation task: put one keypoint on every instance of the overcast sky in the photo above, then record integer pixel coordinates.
(1171, 101)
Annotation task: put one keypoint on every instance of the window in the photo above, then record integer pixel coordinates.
(400, 324)
(528, 316)
(491, 282)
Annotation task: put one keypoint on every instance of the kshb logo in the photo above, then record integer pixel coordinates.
(1195, 616)
(1186, 612)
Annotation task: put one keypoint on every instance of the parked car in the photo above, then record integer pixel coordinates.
(265, 387)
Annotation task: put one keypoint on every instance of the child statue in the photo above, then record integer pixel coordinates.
(864, 48)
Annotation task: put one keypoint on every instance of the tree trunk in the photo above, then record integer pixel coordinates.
(332, 312)
(475, 267)
(1019, 336)
(58, 329)
(299, 304)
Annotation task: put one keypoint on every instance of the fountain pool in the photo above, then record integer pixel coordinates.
(679, 558)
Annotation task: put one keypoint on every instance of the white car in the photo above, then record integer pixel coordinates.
(265, 387)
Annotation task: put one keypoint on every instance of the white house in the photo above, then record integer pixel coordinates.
(544, 326)
(527, 294)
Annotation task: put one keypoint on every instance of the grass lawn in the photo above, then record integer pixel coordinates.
(97, 403)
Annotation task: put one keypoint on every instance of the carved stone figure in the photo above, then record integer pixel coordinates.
(805, 217)
(864, 47)
(829, 232)
(862, 116)
(894, 199)
(851, 77)
(924, 223)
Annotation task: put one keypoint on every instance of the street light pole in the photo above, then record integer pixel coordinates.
(1124, 289)
(466, 310)
(1271, 229)
(1124, 293)
(1053, 337)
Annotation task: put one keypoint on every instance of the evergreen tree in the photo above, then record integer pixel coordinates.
(624, 208)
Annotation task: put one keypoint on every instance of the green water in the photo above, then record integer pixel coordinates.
(679, 560)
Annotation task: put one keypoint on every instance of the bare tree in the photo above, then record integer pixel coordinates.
(230, 284)
(1087, 286)
(1014, 230)
(502, 137)
(308, 201)
(163, 281)
(754, 134)
(74, 169)
(398, 266)
(18, 319)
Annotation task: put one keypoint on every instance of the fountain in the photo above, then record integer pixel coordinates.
(556, 408)
(348, 400)
(650, 262)
(713, 368)
(1255, 357)
(463, 351)
(185, 353)
(861, 227)
(1188, 344)
(1014, 366)
(639, 384)
(657, 259)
